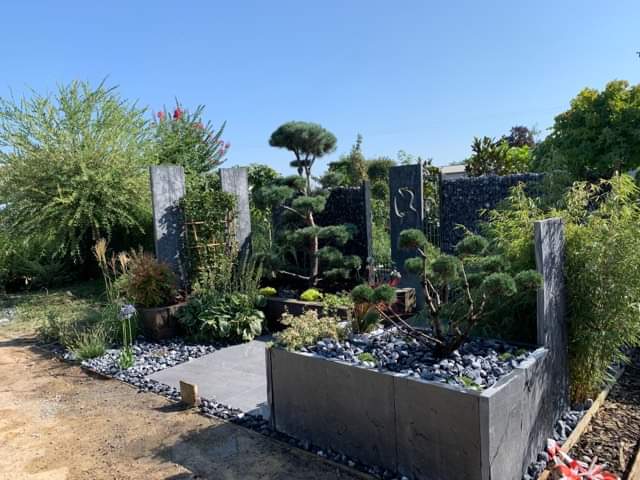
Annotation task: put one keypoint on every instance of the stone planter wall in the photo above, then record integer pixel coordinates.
(421, 429)
(428, 430)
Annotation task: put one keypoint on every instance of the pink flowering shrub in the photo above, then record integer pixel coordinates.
(184, 139)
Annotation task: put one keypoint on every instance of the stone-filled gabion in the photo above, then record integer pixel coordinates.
(462, 200)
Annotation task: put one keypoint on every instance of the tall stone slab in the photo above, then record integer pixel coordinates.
(167, 189)
(552, 310)
(235, 181)
(407, 211)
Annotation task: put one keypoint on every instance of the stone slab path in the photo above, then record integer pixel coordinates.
(234, 376)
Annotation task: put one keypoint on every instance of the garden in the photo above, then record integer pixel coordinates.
(415, 327)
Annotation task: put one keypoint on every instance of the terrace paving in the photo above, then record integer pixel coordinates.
(234, 376)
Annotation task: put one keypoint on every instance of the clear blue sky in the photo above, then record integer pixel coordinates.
(420, 76)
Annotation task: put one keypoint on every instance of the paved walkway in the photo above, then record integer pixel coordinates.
(234, 376)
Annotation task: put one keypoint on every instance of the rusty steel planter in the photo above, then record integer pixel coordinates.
(160, 323)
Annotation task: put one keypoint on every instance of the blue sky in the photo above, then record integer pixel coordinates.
(420, 76)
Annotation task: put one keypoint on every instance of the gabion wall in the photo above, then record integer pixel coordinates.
(351, 205)
(462, 200)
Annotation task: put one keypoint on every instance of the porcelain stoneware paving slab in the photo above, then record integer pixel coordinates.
(234, 376)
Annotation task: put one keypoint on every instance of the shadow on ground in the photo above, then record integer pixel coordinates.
(230, 452)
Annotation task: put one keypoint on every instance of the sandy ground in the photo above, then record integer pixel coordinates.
(59, 423)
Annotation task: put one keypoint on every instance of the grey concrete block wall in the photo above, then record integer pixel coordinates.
(167, 189)
(333, 405)
(438, 431)
(424, 430)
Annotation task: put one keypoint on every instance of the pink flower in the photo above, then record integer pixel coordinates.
(161, 116)
(177, 113)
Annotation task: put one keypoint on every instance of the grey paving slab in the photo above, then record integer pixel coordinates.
(234, 376)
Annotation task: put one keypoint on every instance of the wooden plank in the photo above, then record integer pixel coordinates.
(582, 425)
(634, 473)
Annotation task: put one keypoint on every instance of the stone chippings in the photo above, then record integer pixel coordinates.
(478, 364)
(561, 432)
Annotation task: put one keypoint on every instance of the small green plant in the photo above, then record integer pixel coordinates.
(311, 295)
(268, 292)
(306, 329)
(367, 357)
(149, 283)
(89, 344)
(368, 302)
(332, 302)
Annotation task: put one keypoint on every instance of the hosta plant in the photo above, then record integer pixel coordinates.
(222, 316)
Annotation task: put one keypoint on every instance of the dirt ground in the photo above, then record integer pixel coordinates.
(59, 423)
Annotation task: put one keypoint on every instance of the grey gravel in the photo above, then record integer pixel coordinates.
(478, 364)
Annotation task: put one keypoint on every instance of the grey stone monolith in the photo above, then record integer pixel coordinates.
(235, 181)
(167, 189)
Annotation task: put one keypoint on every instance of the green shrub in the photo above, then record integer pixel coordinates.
(311, 295)
(461, 292)
(182, 138)
(221, 316)
(602, 223)
(149, 283)
(268, 292)
(306, 329)
(98, 146)
(367, 302)
(331, 302)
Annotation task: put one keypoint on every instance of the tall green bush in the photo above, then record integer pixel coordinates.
(73, 168)
(602, 269)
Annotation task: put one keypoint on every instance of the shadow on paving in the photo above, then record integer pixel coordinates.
(230, 452)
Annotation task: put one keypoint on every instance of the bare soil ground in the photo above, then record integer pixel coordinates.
(59, 423)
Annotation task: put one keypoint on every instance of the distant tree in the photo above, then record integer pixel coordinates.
(183, 139)
(349, 171)
(497, 158)
(520, 136)
(598, 136)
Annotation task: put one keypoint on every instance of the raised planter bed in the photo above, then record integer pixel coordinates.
(431, 430)
(417, 428)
